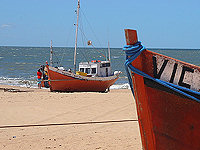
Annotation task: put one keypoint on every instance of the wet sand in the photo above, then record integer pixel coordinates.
(38, 119)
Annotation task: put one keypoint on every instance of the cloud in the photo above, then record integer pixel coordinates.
(5, 26)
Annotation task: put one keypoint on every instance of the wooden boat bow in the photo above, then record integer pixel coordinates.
(167, 98)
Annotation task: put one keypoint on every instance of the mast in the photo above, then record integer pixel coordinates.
(76, 36)
(51, 55)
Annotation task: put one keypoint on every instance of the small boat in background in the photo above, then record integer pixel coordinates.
(167, 96)
(92, 76)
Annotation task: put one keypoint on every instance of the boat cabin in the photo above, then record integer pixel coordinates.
(96, 68)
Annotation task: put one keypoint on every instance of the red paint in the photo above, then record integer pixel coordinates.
(167, 121)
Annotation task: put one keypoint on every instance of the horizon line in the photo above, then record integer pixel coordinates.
(162, 48)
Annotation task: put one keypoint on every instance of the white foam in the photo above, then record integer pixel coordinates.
(120, 86)
(18, 82)
(115, 57)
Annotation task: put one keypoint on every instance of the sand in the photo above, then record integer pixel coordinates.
(68, 121)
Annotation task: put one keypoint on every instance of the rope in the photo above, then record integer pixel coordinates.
(61, 80)
(90, 27)
(92, 44)
(69, 123)
(132, 52)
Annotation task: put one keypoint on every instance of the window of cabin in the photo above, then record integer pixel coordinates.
(81, 69)
(87, 70)
(94, 71)
(105, 65)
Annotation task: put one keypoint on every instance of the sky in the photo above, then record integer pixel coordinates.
(159, 24)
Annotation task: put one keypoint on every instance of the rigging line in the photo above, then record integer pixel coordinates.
(92, 44)
(69, 37)
(82, 33)
(63, 54)
(91, 27)
(67, 124)
(58, 62)
(82, 38)
(80, 29)
(67, 43)
(70, 33)
(98, 51)
(93, 31)
(86, 58)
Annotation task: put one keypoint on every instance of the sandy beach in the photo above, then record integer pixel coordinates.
(38, 119)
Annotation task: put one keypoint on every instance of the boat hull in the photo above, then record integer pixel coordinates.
(64, 81)
(168, 120)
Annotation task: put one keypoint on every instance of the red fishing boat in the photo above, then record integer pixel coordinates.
(92, 76)
(167, 96)
(66, 81)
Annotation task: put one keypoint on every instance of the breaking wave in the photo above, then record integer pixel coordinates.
(18, 82)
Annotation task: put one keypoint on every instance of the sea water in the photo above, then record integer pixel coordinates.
(19, 65)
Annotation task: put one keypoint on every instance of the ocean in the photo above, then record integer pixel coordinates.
(19, 65)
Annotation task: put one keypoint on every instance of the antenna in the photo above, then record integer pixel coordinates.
(108, 51)
(51, 55)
